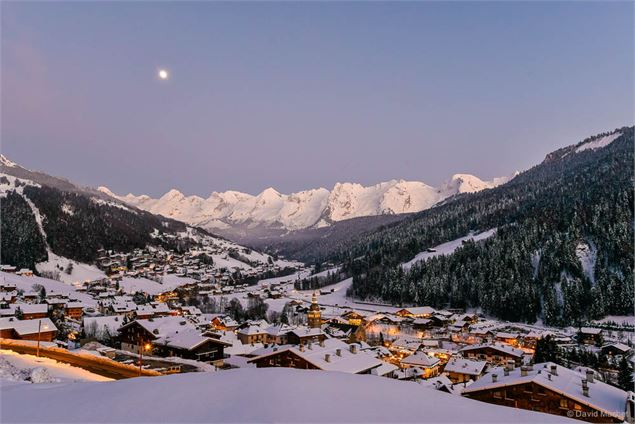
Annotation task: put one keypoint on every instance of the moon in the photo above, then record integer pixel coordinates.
(163, 74)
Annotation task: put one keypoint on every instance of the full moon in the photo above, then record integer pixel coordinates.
(163, 74)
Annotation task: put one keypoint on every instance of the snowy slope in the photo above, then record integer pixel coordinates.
(218, 248)
(51, 286)
(251, 395)
(448, 248)
(598, 143)
(309, 208)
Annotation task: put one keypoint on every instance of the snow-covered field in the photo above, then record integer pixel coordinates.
(448, 247)
(51, 287)
(252, 395)
(15, 367)
(168, 282)
(80, 272)
(619, 319)
(598, 143)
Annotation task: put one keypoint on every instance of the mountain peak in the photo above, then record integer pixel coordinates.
(106, 191)
(268, 193)
(6, 162)
(172, 194)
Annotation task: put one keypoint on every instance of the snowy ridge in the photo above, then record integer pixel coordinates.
(310, 208)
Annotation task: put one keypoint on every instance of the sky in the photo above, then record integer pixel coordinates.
(299, 95)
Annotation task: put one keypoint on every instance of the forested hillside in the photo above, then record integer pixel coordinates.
(563, 251)
(74, 225)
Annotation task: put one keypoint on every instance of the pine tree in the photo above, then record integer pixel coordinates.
(625, 375)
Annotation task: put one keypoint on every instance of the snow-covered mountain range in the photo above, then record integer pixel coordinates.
(306, 209)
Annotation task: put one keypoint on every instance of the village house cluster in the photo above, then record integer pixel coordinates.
(460, 353)
(154, 262)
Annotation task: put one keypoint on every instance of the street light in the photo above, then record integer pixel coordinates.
(39, 330)
(142, 347)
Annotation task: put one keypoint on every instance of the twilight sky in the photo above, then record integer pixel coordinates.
(302, 95)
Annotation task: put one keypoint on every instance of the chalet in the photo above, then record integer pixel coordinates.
(553, 389)
(278, 333)
(171, 336)
(459, 327)
(223, 322)
(8, 268)
(25, 272)
(7, 310)
(406, 344)
(74, 310)
(32, 329)
(469, 318)
(9, 297)
(418, 312)
(354, 317)
(461, 370)
(531, 339)
(327, 355)
(616, 350)
(57, 303)
(590, 335)
(30, 311)
(252, 334)
(509, 338)
(428, 364)
(480, 335)
(303, 335)
(438, 320)
(422, 324)
(7, 287)
(350, 333)
(493, 353)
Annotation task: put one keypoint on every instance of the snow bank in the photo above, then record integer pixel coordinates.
(15, 367)
(252, 395)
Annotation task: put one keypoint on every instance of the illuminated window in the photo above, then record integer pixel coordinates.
(563, 403)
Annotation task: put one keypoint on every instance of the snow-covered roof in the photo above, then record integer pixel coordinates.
(174, 331)
(503, 348)
(591, 330)
(619, 346)
(28, 308)
(331, 355)
(504, 335)
(27, 326)
(421, 310)
(421, 359)
(465, 366)
(602, 396)
(252, 330)
(306, 332)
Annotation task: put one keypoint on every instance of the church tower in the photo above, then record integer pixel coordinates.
(314, 315)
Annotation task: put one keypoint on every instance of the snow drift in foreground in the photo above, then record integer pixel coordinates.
(251, 395)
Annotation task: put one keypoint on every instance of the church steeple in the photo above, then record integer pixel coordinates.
(314, 315)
